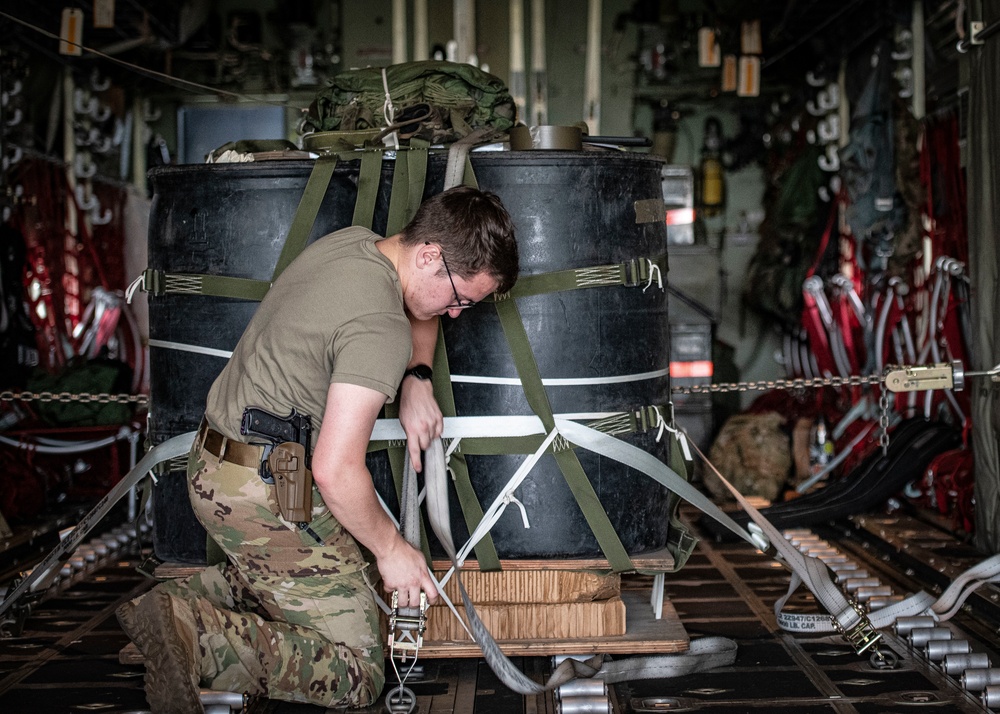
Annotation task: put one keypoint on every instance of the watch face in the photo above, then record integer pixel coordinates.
(420, 371)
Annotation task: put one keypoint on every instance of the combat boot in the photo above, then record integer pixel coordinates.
(172, 685)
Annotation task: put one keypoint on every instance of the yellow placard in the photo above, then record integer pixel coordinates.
(71, 32)
(729, 73)
(749, 77)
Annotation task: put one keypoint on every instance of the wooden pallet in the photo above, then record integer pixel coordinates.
(545, 608)
(644, 634)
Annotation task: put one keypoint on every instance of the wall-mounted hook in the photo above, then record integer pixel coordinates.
(16, 118)
(96, 83)
(101, 218)
(84, 199)
(904, 45)
(824, 194)
(829, 129)
(813, 107)
(83, 103)
(87, 136)
(102, 145)
(830, 97)
(811, 136)
(12, 157)
(14, 89)
(83, 167)
(904, 75)
(813, 80)
(830, 161)
(101, 112)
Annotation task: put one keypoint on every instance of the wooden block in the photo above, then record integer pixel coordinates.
(532, 586)
(534, 621)
(644, 634)
(168, 570)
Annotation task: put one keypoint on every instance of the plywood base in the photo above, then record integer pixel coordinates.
(526, 621)
(644, 634)
(533, 586)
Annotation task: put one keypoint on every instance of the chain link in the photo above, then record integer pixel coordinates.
(84, 398)
(883, 419)
(854, 380)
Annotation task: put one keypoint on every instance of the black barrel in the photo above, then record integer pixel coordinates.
(570, 209)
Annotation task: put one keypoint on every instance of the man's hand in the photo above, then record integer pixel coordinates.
(404, 569)
(420, 416)
(342, 477)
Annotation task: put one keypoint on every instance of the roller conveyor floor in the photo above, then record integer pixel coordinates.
(67, 657)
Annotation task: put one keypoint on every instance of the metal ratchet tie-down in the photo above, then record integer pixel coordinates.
(862, 636)
(406, 624)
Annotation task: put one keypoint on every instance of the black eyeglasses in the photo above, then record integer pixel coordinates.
(459, 303)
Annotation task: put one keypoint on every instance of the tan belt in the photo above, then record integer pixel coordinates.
(226, 449)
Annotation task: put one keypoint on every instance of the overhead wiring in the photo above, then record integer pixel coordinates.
(145, 71)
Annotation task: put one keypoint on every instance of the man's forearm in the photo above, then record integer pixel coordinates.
(354, 503)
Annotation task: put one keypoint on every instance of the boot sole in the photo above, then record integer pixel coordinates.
(169, 666)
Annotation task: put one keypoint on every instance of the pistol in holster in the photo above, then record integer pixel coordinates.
(292, 481)
(286, 458)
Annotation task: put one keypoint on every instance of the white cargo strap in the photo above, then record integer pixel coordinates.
(845, 616)
(703, 654)
(172, 448)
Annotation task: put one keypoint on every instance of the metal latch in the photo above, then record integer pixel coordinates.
(407, 625)
(919, 379)
(936, 376)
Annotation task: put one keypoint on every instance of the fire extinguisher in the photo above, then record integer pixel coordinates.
(713, 187)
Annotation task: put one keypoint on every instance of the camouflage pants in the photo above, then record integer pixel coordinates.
(284, 617)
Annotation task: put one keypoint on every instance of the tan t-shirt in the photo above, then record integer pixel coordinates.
(334, 315)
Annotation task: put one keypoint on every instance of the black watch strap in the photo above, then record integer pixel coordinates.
(420, 371)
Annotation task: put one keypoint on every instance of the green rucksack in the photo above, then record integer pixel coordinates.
(437, 101)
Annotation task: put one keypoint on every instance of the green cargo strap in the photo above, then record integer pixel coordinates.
(469, 178)
(369, 177)
(680, 541)
(408, 178)
(156, 282)
(472, 510)
(630, 273)
(569, 464)
(305, 214)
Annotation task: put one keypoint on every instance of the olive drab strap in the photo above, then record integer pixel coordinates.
(704, 653)
(305, 214)
(408, 180)
(566, 458)
(472, 510)
(369, 177)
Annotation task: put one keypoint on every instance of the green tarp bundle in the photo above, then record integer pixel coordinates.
(444, 101)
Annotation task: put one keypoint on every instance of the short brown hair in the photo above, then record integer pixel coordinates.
(474, 230)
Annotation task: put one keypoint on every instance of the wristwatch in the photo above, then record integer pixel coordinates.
(420, 371)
